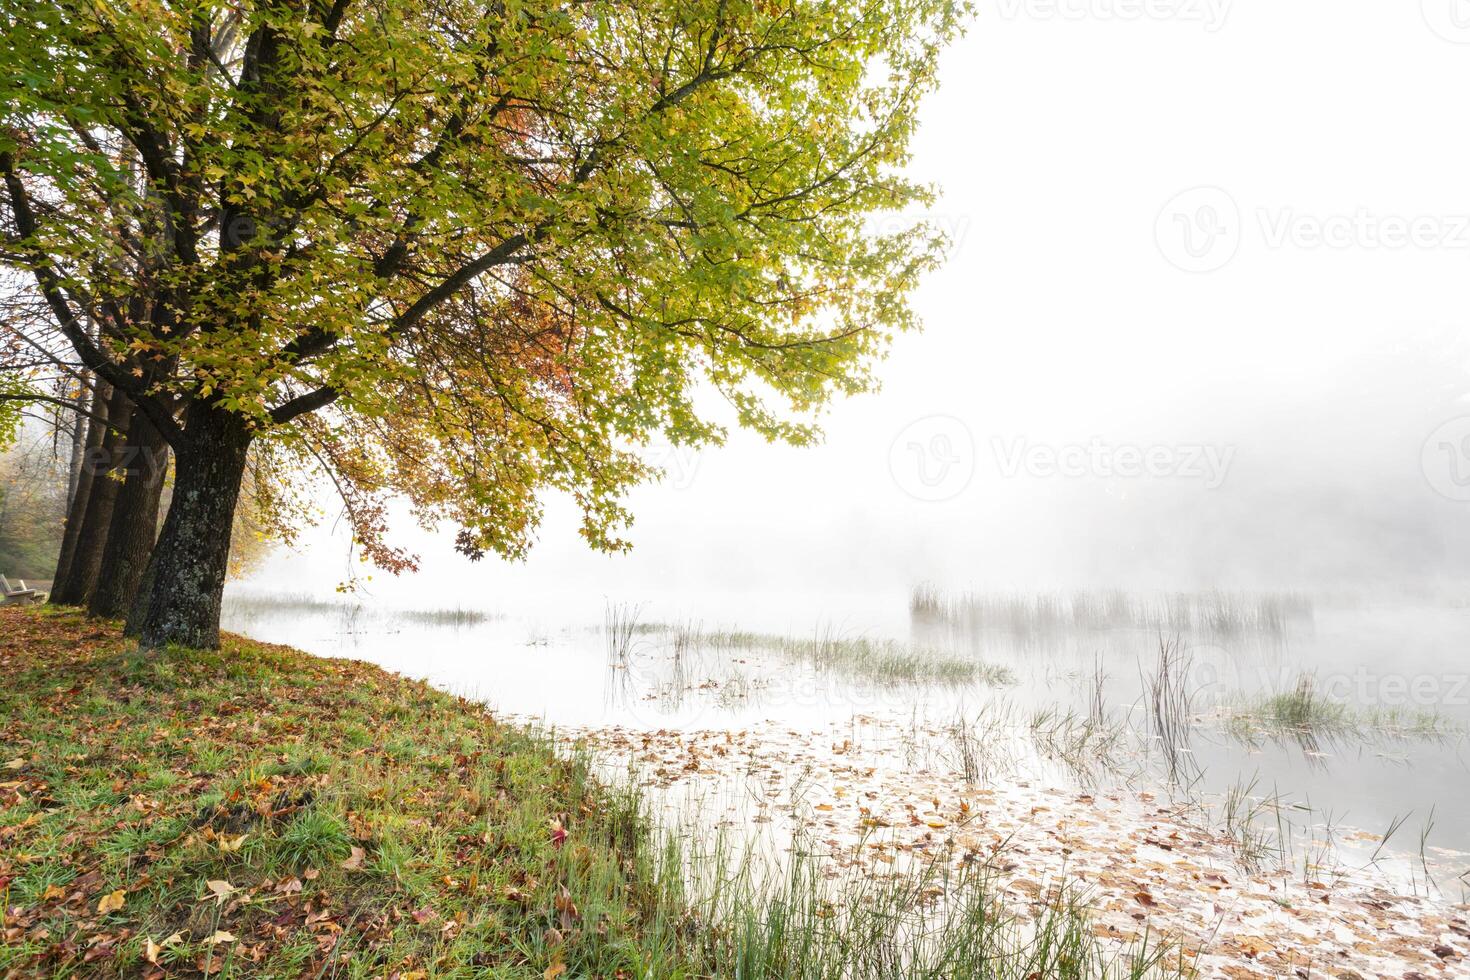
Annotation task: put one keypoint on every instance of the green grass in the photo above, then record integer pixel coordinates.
(865, 657)
(364, 824)
(1304, 710)
(256, 812)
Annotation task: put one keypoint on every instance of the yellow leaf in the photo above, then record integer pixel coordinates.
(221, 937)
(150, 951)
(112, 901)
(222, 890)
(554, 970)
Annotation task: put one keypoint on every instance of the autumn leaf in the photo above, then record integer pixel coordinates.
(354, 861)
(220, 936)
(558, 834)
(112, 901)
(222, 890)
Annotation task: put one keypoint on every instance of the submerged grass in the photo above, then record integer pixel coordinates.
(258, 812)
(1216, 613)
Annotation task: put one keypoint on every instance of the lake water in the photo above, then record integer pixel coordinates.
(1385, 745)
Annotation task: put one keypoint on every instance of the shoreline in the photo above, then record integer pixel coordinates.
(320, 776)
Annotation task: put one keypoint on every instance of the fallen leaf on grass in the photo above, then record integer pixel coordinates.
(222, 890)
(112, 901)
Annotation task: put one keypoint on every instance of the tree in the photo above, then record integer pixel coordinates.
(460, 251)
(32, 500)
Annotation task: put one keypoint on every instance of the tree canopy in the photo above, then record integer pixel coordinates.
(467, 251)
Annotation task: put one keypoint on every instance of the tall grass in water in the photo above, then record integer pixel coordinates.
(1169, 703)
(253, 606)
(1216, 613)
(870, 658)
(620, 628)
(1255, 845)
(1303, 710)
(717, 911)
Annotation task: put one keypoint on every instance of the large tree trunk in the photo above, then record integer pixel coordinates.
(193, 551)
(86, 559)
(134, 520)
(77, 508)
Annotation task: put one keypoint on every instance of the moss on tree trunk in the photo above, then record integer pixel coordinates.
(192, 555)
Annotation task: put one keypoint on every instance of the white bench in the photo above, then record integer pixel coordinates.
(19, 595)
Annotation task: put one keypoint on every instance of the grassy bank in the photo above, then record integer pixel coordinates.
(260, 812)
(256, 811)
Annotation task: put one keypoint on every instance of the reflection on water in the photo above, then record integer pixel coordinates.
(1333, 717)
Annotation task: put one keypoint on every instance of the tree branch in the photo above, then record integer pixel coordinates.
(69, 323)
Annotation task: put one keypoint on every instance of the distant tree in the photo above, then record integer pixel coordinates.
(459, 251)
(32, 503)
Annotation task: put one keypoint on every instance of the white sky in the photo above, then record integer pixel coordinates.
(1063, 142)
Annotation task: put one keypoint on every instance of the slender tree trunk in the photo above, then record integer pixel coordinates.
(86, 560)
(134, 525)
(77, 509)
(193, 551)
(138, 609)
(79, 433)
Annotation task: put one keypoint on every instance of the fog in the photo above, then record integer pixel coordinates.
(1202, 325)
